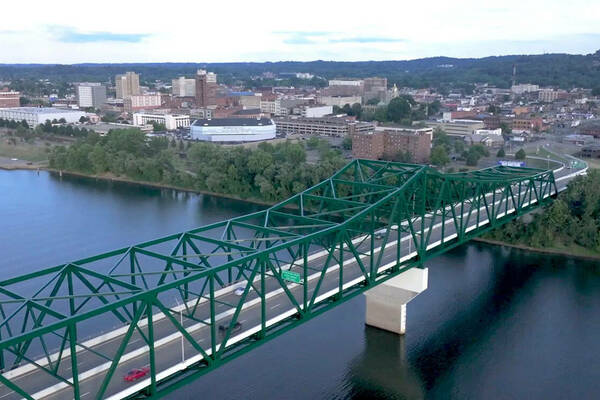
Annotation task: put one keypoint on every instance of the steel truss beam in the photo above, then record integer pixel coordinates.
(340, 238)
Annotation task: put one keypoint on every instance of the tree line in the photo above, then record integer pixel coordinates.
(269, 172)
(571, 221)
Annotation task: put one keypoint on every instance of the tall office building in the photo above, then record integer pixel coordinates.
(206, 88)
(91, 94)
(183, 87)
(127, 85)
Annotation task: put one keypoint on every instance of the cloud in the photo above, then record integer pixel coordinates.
(302, 37)
(70, 35)
(367, 40)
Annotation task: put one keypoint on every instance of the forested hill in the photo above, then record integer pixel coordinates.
(562, 70)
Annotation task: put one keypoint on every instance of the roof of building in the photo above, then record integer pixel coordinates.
(249, 111)
(233, 122)
(41, 110)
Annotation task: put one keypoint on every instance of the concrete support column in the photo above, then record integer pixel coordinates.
(386, 303)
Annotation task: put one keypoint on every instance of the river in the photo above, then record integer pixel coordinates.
(494, 322)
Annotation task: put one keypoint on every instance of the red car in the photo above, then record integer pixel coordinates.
(136, 374)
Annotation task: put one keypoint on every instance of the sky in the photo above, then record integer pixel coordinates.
(66, 32)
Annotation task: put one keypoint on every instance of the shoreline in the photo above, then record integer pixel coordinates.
(153, 185)
(536, 249)
(263, 203)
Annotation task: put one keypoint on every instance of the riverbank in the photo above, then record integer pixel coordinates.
(12, 163)
(113, 178)
(584, 254)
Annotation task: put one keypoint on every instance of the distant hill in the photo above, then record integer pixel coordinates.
(561, 70)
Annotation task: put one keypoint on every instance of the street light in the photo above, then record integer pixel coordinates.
(181, 322)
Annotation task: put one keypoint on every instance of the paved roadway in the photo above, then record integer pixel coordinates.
(169, 355)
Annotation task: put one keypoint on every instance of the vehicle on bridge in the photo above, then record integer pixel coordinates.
(136, 374)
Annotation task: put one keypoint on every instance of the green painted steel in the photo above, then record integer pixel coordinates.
(310, 252)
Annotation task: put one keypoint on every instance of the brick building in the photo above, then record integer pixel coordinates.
(527, 124)
(387, 142)
(9, 99)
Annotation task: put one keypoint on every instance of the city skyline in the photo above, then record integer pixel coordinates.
(122, 32)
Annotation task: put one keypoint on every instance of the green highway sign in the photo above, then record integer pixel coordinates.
(291, 276)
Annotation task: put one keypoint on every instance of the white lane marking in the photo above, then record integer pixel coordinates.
(4, 395)
(275, 306)
(85, 394)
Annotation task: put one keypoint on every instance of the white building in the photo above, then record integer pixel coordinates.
(38, 115)
(273, 107)
(524, 88)
(170, 121)
(90, 94)
(316, 112)
(233, 129)
(497, 132)
(346, 82)
(184, 87)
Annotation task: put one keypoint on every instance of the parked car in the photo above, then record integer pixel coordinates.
(239, 291)
(136, 374)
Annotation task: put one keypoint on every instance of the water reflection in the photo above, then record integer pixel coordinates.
(382, 370)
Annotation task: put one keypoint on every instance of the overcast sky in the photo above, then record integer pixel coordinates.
(65, 31)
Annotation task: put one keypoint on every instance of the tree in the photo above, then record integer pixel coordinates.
(347, 143)
(520, 155)
(439, 156)
(398, 109)
(62, 121)
(472, 158)
(501, 153)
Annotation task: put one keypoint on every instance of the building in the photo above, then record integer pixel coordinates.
(547, 95)
(457, 127)
(493, 140)
(142, 102)
(524, 88)
(9, 98)
(316, 112)
(387, 142)
(579, 140)
(39, 115)
(592, 151)
(170, 121)
(272, 107)
(206, 89)
(127, 84)
(451, 115)
(183, 87)
(496, 132)
(339, 101)
(328, 126)
(375, 88)
(527, 124)
(233, 129)
(591, 128)
(90, 94)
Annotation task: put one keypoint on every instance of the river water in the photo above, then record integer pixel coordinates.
(494, 323)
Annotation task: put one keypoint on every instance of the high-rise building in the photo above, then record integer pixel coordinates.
(127, 84)
(184, 87)
(90, 94)
(206, 88)
(142, 102)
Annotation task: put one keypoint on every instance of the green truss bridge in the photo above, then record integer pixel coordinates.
(185, 304)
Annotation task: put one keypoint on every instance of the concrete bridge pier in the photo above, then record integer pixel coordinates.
(386, 303)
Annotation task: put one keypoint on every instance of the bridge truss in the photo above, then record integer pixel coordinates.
(76, 326)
